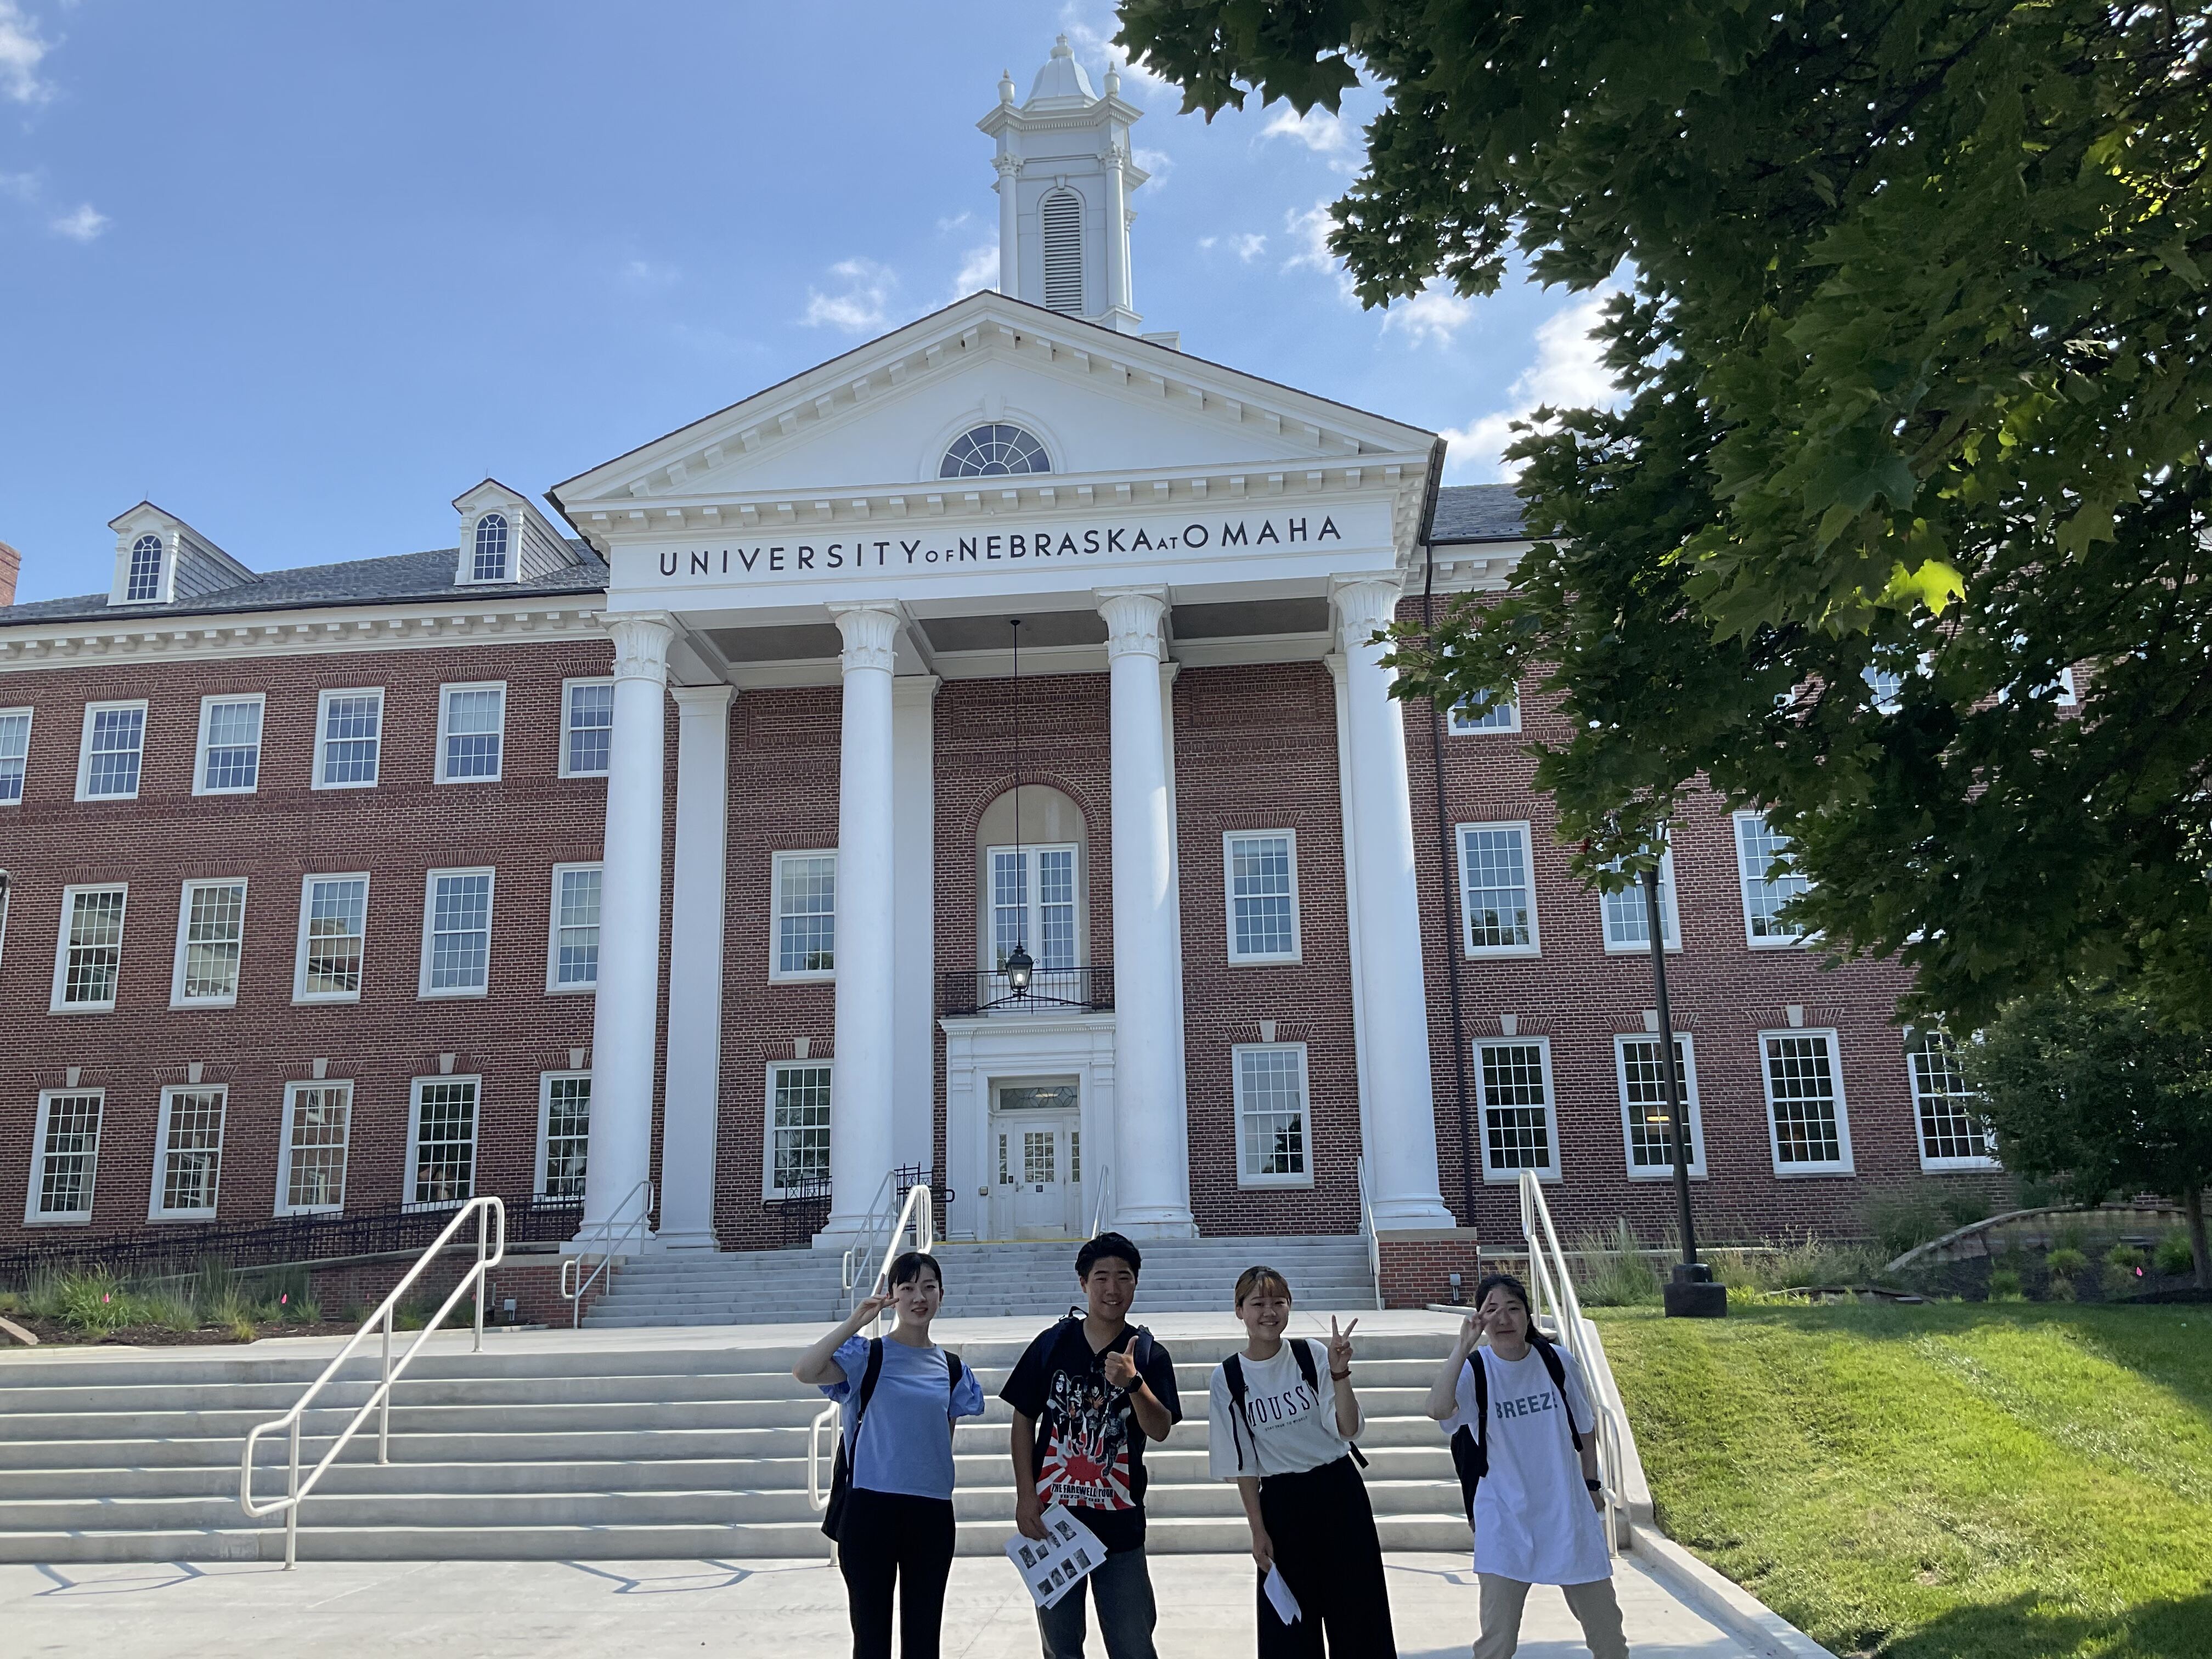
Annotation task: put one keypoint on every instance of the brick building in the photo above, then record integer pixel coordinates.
(701, 832)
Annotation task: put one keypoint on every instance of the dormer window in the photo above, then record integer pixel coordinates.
(490, 561)
(145, 578)
(994, 451)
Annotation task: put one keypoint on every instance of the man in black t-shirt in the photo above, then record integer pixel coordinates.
(1087, 1394)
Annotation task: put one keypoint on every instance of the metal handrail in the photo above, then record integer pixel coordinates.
(918, 1209)
(848, 1267)
(572, 1264)
(1553, 1287)
(380, 1399)
(1367, 1227)
(1104, 1206)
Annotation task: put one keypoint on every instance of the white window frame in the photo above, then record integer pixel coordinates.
(554, 987)
(30, 720)
(1229, 840)
(1458, 725)
(1743, 880)
(177, 997)
(1670, 913)
(1842, 1164)
(1986, 1161)
(1244, 1177)
(7, 898)
(299, 991)
(322, 735)
(32, 1216)
(1490, 1173)
(154, 1209)
(509, 552)
(415, 1087)
(803, 975)
(284, 1147)
(769, 1188)
(1534, 947)
(444, 709)
(545, 1082)
(62, 948)
(208, 705)
(91, 711)
(567, 690)
(1690, 1106)
(429, 918)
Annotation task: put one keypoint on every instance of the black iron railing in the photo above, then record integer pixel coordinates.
(1050, 990)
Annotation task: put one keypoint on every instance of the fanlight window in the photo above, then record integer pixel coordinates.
(490, 564)
(145, 580)
(993, 452)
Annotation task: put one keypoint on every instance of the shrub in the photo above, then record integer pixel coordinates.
(241, 1329)
(1808, 1259)
(2061, 1288)
(2071, 1235)
(2174, 1256)
(1901, 1220)
(2065, 1261)
(1964, 1210)
(1614, 1272)
(2005, 1285)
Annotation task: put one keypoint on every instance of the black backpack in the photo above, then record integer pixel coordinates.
(840, 1469)
(1470, 1451)
(1232, 1371)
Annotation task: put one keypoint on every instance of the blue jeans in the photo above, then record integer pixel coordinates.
(1123, 1591)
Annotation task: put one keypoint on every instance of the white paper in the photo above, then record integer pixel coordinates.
(1054, 1565)
(1280, 1597)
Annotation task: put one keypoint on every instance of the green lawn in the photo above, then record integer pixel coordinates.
(1951, 1481)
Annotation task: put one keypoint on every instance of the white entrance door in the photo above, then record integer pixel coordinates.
(1037, 1135)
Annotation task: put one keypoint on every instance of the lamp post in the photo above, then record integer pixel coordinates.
(1691, 1293)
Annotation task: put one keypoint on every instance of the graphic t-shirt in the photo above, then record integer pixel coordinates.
(1288, 1427)
(906, 1443)
(1090, 1452)
(1534, 1520)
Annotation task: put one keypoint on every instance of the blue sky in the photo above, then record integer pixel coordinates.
(302, 274)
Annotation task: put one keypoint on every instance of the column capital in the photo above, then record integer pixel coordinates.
(1363, 605)
(870, 631)
(703, 696)
(642, 644)
(1008, 166)
(1132, 621)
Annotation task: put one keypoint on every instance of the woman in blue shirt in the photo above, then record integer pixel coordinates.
(901, 1394)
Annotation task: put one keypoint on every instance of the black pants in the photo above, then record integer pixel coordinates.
(888, 1538)
(1323, 1531)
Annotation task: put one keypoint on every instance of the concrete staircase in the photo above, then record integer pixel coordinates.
(537, 1451)
(757, 1287)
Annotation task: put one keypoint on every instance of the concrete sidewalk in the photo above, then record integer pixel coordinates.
(763, 1609)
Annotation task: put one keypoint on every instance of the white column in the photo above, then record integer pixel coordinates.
(913, 1008)
(691, 1104)
(1009, 239)
(1401, 1152)
(625, 1020)
(1121, 305)
(860, 1116)
(1152, 1161)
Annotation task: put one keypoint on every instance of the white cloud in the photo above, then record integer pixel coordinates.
(864, 304)
(946, 226)
(1566, 374)
(81, 226)
(22, 51)
(1157, 164)
(23, 186)
(978, 267)
(1247, 246)
(1432, 317)
(1324, 134)
(1308, 233)
(1094, 48)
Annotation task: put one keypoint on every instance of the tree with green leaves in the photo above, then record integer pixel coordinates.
(1899, 532)
(2091, 1090)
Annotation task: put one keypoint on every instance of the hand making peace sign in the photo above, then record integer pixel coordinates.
(1339, 1348)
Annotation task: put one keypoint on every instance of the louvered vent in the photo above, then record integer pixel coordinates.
(1062, 214)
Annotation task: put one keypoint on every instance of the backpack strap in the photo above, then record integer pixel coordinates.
(1232, 1373)
(869, 1377)
(951, 1379)
(1481, 1413)
(1550, 1355)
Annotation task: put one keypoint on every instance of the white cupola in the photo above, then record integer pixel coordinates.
(1065, 179)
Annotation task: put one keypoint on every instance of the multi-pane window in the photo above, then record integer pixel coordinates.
(191, 1153)
(1263, 873)
(575, 962)
(1503, 715)
(490, 564)
(1805, 1103)
(564, 1132)
(1517, 1109)
(1643, 1106)
(442, 1147)
(1954, 1134)
(587, 727)
(1033, 904)
(799, 1128)
(1759, 849)
(114, 745)
(211, 939)
(1498, 906)
(230, 746)
(1628, 914)
(457, 933)
(805, 915)
(15, 754)
(350, 740)
(318, 1121)
(67, 1159)
(1885, 687)
(142, 581)
(471, 727)
(91, 955)
(1271, 1114)
(333, 926)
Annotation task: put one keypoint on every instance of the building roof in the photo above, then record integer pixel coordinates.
(407, 578)
(1477, 513)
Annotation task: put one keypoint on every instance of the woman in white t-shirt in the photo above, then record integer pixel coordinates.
(1538, 1511)
(1284, 1435)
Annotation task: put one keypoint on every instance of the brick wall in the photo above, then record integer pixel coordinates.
(1417, 1268)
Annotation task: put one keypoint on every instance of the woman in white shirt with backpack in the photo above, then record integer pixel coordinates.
(1284, 1434)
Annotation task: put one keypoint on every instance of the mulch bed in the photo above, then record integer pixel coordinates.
(52, 1334)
